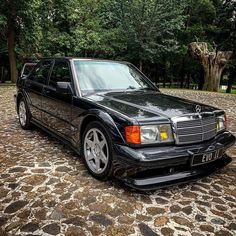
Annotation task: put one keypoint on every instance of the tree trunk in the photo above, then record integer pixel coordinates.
(164, 81)
(170, 83)
(188, 80)
(182, 73)
(156, 73)
(213, 64)
(140, 65)
(2, 75)
(232, 78)
(201, 80)
(164, 76)
(11, 51)
(212, 78)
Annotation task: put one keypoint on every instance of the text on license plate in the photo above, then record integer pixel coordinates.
(199, 159)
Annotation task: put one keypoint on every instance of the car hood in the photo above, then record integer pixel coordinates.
(143, 104)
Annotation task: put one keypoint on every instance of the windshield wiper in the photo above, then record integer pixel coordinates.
(131, 88)
(139, 89)
(149, 89)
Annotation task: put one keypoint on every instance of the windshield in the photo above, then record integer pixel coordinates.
(100, 76)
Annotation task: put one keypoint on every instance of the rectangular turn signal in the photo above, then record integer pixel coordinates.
(132, 134)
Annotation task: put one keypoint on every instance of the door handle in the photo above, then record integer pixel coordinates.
(28, 84)
(46, 91)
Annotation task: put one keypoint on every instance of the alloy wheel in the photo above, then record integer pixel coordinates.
(22, 113)
(96, 151)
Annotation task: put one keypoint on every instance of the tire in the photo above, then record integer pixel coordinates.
(97, 151)
(24, 115)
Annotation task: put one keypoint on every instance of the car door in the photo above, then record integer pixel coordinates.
(56, 105)
(34, 87)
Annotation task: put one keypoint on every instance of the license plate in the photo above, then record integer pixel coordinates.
(203, 158)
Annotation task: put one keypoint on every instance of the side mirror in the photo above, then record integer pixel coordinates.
(23, 76)
(64, 87)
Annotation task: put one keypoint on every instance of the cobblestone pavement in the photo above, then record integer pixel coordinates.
(45, 189)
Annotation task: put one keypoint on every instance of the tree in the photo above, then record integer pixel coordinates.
(148, 29)
(213, 63)
(16, 16)
(226, 35)
(8, 16)
(198, 25)
(76, 28)
(152, 34)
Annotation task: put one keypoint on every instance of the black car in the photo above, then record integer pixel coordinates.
(121, 124)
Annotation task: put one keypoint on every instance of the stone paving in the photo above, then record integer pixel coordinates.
(45, 189)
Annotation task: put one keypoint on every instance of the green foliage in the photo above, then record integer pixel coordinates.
(3, 21)
(149, 28)
(226, 29)
(153, 34)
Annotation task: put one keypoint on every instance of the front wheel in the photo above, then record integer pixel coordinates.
(24, 115)
(96, 151)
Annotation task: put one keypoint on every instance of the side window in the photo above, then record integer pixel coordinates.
(40, 74)
(60, 73)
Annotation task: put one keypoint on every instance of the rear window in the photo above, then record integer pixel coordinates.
(41, 72)
(27, 69)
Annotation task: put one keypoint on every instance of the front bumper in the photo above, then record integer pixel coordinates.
(154, 167)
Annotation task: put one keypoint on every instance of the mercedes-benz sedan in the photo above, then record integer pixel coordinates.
(121, 124)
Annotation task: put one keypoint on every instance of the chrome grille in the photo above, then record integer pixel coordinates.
(189, 123)
(195, 130)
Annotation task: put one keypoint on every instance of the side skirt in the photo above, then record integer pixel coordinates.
(55, 135)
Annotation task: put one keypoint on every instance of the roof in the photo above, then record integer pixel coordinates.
(30, 63)
(84, 58)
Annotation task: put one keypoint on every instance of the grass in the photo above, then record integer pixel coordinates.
(7, 83)
(233, 91)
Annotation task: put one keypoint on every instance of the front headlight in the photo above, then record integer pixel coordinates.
(149, 134)
(156, 134)
(221, 123)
